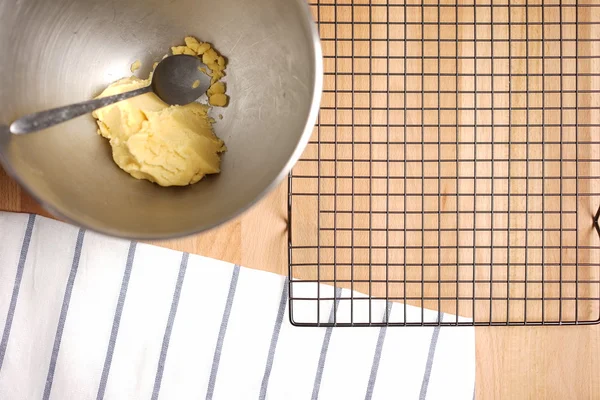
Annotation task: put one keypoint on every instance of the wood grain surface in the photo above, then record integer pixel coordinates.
(512, 362)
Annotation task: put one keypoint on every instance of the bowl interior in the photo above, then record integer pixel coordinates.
(58, 52)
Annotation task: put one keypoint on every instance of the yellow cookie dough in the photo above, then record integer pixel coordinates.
(169, 145)
(137, 64)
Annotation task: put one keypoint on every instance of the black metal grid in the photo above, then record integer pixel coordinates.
(454, 165)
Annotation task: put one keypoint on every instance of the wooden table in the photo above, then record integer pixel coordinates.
(512, 362)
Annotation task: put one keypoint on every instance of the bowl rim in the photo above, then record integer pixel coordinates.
(317, 90)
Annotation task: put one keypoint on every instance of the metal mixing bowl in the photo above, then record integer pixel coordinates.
(61, 51)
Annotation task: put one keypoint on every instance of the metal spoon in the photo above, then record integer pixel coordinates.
(173, 81)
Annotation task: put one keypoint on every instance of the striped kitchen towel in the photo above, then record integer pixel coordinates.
(84, 316)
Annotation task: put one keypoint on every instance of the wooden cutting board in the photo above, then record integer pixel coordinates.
(512, 363)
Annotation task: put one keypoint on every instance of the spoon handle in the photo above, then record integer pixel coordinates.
(45, 119)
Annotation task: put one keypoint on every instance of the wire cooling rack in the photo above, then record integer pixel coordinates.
(455, 166)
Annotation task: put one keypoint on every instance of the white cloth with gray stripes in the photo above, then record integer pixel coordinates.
(84, 316)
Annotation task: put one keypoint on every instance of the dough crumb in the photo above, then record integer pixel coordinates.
(137, 64)
(182, 50)
(218, 99)
(192, 43)
(195, 84)
(203, 48)
(216, 88)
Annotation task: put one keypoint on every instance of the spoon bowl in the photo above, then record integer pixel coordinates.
(178, 80)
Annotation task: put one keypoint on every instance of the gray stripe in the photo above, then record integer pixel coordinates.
(325, 346)
(169, 328)
(274, 338)
(429, 365)
(377, 356)
(63, 313)
(116, 321)
(16, 287)
(219, 348)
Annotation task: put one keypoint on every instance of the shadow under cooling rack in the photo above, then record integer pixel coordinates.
(455, 166)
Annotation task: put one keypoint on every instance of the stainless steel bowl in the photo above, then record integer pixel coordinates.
(61, 51)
